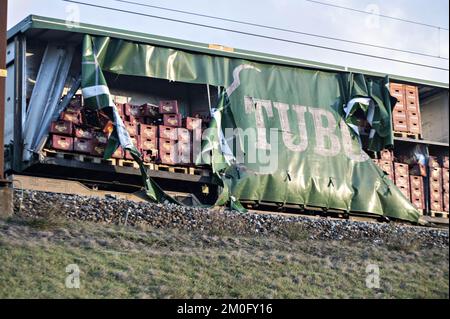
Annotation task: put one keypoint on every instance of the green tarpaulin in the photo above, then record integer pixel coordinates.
(295, 139)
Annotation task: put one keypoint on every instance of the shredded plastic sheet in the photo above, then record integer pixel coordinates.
(305, 151)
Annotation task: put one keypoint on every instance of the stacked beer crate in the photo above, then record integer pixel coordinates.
(439, 186)
(78, 130)
(406, 113)
(158, 131)
(408, 181)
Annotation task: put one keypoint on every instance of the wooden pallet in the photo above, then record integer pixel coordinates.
(125, 163)
(439, 214)
(78, 157)
(410, 135)
(172, 169)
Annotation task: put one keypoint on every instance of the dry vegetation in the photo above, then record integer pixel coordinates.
(144, 262)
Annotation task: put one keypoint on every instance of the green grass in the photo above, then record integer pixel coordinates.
(154, 263)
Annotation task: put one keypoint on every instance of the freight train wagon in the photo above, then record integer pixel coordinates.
(50, 133)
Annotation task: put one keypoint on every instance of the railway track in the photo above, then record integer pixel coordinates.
(63, 186)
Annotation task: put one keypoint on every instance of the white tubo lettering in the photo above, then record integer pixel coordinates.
(288, 137)
(326, 133)
(257, 106)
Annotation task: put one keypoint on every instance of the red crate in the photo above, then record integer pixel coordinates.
(173, 120)
(62, 128)
(148, 109)
(435, 174)
(85, 133)
(184, 135)
(98, 150)
(388, 167)
(405, 191)
(401, 169)
(436, 206)
(387, 155)
(167, 132)
(168, 107)
(445, 180)
(193, 123)
(72, 117)
(149, 144)
(119, 154)
(82, 145)
(136, 140)
(166, 145)
(131, 110)
(148, 131)
(168, 158)
(445, 202)
(132, 128)
(100, 138)
(120, 109)
(62, 143)
(433, 162)
(150, 155)
(445, 162)
(417, 192)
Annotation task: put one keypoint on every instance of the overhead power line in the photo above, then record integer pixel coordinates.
(381, 15)
(281, 29)
(255, 35)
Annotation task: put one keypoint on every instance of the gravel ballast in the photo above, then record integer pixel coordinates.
(214, 221)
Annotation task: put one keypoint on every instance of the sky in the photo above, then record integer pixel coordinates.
(299, 15)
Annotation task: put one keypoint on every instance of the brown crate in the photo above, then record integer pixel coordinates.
(63, 143)
(61, 128)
